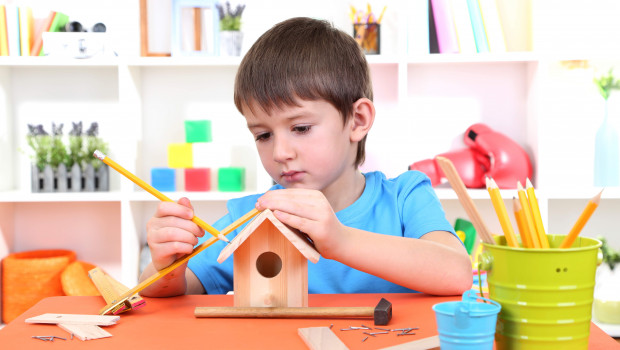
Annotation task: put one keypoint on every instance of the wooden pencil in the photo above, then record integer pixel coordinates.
(521, 222)
(502, 214)
(152, 190)
(527, 212)
(468, 204)
(581, 221)
(538, 223)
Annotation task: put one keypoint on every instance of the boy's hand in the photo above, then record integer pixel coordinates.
(171, 233)
(309, 212)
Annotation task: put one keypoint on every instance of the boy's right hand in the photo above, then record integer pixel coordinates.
(170, 232)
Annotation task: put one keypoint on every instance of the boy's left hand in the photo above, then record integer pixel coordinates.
(309, 212)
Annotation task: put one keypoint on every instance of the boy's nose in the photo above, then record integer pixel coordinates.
(282, 150)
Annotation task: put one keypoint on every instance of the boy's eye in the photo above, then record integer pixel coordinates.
(302, 129)
(262, 136)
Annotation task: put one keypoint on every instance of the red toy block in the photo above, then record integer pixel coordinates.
(197, 179)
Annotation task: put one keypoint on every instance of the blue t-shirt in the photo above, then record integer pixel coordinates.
(405, 206)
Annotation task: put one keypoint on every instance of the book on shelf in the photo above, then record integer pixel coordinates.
(4, 42)
(480, 34)
(12, 29)
(418, 27)
(26, 29)
(433, 44)
(444, 26)
(463, 26)
(45, 25)
(492, 25)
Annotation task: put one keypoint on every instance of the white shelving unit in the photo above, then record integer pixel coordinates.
(424, 104)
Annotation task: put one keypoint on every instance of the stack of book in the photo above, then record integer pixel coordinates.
(21, 34)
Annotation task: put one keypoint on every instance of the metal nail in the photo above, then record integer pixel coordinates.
(363, 340)
(405, 333)
(383, 329)
(370, 334)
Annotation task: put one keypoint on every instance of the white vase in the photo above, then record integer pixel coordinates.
(607, 294)
(230, 42)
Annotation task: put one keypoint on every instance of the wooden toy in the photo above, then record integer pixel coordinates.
(231, 179)
(270, 264)
(197, 131)
(197, 179)
(163, 179)
(180, 155)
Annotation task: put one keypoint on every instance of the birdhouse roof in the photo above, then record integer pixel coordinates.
(295, 237)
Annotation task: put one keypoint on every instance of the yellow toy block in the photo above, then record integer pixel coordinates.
(180, 155)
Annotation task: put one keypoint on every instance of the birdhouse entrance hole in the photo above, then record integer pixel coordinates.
(269, 264)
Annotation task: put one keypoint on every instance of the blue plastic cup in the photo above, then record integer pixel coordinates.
(467, 324)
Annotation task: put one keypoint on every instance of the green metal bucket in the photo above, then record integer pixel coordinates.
(546, 294)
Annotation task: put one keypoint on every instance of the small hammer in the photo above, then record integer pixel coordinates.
(381, 314)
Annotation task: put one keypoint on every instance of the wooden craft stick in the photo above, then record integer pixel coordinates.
(581, 221)
(527, 212)
(111, 291)
(321, 338)
(521, 222)
(97, 320)
(163, 272)
(502, 214)
(538, 224)
(468, 204)
(85, 331)
(421, 344)
(152, 190)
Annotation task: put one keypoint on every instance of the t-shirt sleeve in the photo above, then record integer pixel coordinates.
(422, 210)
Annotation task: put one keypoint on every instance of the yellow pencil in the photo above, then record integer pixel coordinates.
(381, 15)
(150, 189)
(540, 229)
(581, 221)
(521, 224)
(529, 220)
(502, 214)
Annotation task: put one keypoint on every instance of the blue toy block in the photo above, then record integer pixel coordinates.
(163, 179)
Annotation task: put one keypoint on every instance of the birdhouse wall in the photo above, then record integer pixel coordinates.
(289, 288)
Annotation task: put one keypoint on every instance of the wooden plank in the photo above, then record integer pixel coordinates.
(429, 343)
(85, 331)
(321, 338)
(98, 320)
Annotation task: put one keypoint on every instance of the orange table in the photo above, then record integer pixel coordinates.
(169, 323)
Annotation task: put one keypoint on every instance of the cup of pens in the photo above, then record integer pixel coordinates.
(368, 36)
(546, 294)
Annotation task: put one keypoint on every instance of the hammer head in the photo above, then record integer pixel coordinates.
(383, 312)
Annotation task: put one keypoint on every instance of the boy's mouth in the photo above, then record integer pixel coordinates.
(292, 176)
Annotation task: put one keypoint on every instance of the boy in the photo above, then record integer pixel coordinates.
(304, 88)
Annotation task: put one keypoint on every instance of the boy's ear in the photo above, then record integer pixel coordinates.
(363, 117)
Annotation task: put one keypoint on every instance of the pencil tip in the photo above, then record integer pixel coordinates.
(528, 183)
(519, 186)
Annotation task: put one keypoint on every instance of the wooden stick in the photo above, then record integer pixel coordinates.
(581, 221)
(468, 204)
(152, 190)
(161, 273)
(321, 338)
(285, 312)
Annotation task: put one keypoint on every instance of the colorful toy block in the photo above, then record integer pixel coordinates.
(197, 131)
(211, 155)
(197, 179)
(231, 179)
(163, 179)
(180, 155)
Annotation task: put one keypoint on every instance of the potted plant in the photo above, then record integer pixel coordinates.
(231, 36)
(606, 294)
(96, 171)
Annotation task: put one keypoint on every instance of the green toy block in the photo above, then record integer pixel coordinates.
(197, 131)
(231, 179)
(470, 233)
(180, 155)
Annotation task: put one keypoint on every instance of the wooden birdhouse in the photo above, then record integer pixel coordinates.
(270, 264)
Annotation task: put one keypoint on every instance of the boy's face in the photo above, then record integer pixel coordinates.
(303, 146)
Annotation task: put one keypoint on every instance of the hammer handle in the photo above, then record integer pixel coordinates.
(284, 312)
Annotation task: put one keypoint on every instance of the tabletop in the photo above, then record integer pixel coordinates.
(169, 323)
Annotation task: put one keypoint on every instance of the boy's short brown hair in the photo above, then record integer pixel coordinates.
(307, 59)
